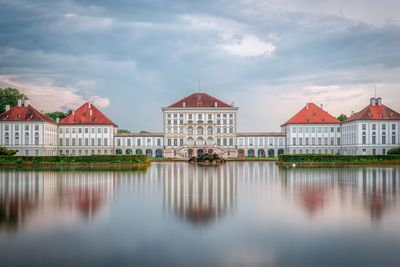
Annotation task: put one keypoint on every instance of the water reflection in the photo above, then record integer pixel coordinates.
(52, 195)
(199, 194)
(375, 189)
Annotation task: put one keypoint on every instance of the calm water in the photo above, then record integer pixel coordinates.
(174, 214)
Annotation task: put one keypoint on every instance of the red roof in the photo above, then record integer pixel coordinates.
(82, 116)
(199, 100)
(24, 114)
(311, 113)
(376, 112)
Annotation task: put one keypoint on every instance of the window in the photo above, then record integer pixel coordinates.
(373, 151)
(86, 130)
(92, 130)
(200, 130)
(17, 138)
(383, 151)
(313, 141)
(225, 143)
(175, 115)
(67, 142)
(294, 130)
(383, 138)
(99, 141)
(36, 138)
(218, 130)
(338, 129)
(300, 129)
(306, 129)
(373, 138)
(159, 142)
(383, 127)
(332, 129)
(319, 129)
(86, 141)
(128, 142)
(338, 141)
(251, 142)
(105, 142)
(36, 127)
(373, 126)
(364, 138)
(169, 115)
(326, 129)
(148, 141)
(218, 142)
(99, 130)
(181, 142)
(60, 130)
(300, 141)
(313, 129)
(393, 126)
(319, 141)
(294, 141)
(139, 142)
(92, 141)
(80, 141)
(26, 127)
(169, 142)
(190, 116)
(16, 127)
(230, 130)
(79, 130)
(26, 139)
(175, 142)
(105, 130)
(307, 141)
(73, 130)
(210, 130)
(230, 141)
(393, 138)
(332, 141)
(73, 141)
(6, 127)
(190, 130)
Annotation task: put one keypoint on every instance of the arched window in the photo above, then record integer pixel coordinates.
(190, 130)
(210, 130)
(17, 138)
(200, 141)
(36, 138)
(6, 139)
(199, 130)
(26, 138)
(190, 141)
(210, 141)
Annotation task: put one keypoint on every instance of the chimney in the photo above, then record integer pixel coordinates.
(352, 113)
(216, 104)
(91, 113)
(322, 106)
(184, 104)
(89, 105)
(7, 107)
(307, 106)
(372, 101)
(379, 101)
(26, 102)
(19, 102)
(58, 120)
(73, 113)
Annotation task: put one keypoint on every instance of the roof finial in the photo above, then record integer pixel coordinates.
(375, 90)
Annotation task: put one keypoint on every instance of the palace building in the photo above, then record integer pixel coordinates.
(200, 123)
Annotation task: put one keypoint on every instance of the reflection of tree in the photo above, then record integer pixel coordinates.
(199, 195)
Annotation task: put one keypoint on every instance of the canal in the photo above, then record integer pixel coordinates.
(175, 214)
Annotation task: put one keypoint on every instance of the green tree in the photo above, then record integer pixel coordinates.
(144, 132)
(58, 114)
(342, 117)
(9, 96)
(6, 152)
(123, 131)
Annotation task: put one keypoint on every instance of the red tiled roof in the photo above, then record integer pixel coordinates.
(82, 116)
(24, 114)
(312, 114)
(199, 100)
(376, 112)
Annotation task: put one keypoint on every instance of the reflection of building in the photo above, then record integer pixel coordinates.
(32, 193)
(373, 188)
(200, 195)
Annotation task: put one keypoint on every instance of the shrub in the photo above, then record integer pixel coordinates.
(394, 151)
(6, 152)
(336, 158)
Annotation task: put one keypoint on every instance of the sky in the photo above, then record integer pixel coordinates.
(269, 57)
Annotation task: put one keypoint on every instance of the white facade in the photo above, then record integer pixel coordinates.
(312, 138)
(83, 140)
(260, 144)
(151, 144)
(192, 130)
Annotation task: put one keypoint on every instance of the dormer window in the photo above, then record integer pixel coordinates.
(19, 116)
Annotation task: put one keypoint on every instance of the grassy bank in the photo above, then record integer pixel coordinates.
(251, 159)
(75, 160)
(338, 159)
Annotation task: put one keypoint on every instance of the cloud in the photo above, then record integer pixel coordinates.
(48, 97)
(249, 46)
